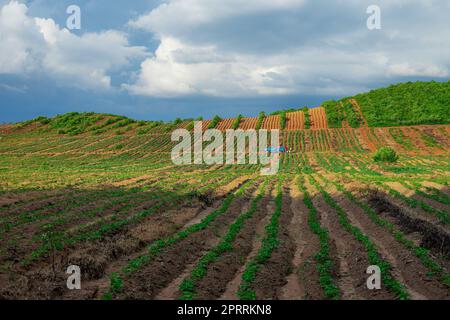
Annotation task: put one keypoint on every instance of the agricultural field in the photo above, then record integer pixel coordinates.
(101, 192)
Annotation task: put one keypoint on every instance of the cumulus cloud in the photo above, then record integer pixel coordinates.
(184, 14)
(248, 48)
(181, 69)
(31, 44)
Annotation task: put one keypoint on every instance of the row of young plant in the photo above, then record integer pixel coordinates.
(399, 137)
(268, 245)
(97, 228)
(372, 253)
(118, 201)
(411, 184)
(324, 262)
(443, 216)
(347, 140)
(14, 217)
(430, 192)
(120, 219)
(420, 252)
(73, 200)
(379, 180)
(188, 286)
(116, 278)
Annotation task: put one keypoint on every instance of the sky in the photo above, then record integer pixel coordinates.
(159, 60)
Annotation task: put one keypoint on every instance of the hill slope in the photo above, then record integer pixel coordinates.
(401, 104)
(404, 104)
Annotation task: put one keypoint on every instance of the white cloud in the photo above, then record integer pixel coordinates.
(20, 42)
(182, 14)
(427, 70)
(304, 47)
(39, 45)
(180, 69)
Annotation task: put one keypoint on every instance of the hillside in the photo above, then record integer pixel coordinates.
(101, 192)
(397, 105)
(405, 104)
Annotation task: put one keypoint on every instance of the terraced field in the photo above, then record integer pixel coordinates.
(110, 200)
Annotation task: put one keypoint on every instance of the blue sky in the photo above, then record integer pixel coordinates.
(151, 59)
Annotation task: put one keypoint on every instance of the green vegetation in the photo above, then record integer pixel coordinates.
(339, 111)
(372, 254)
(237, 122)
(307, 118)
(156, 247)
(279, 112)
(260, 121)
(420, 252)
(385, 154)
(334, 113)
(215, 121)
(323, 259)
(283, 120)
(269, 243)
(147, 128)
(400, 138)
(443, 216)
(187, 287)
(352, 117)
(410, 103)
(177, 121)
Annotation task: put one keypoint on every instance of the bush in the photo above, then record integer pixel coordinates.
(261, 118)
(283, 120)
(237, 122)
(177, 121)
(214, 122)
(385, 154)
(307, 118)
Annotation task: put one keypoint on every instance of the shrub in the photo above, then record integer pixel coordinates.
(385, 154)
(261, 117)
(283, 120)
(307, 118)
(237, 122)
(214, 122)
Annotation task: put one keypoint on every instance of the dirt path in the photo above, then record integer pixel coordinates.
(349, 255)
(233, 286)
(303, 282)
(271, 278)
